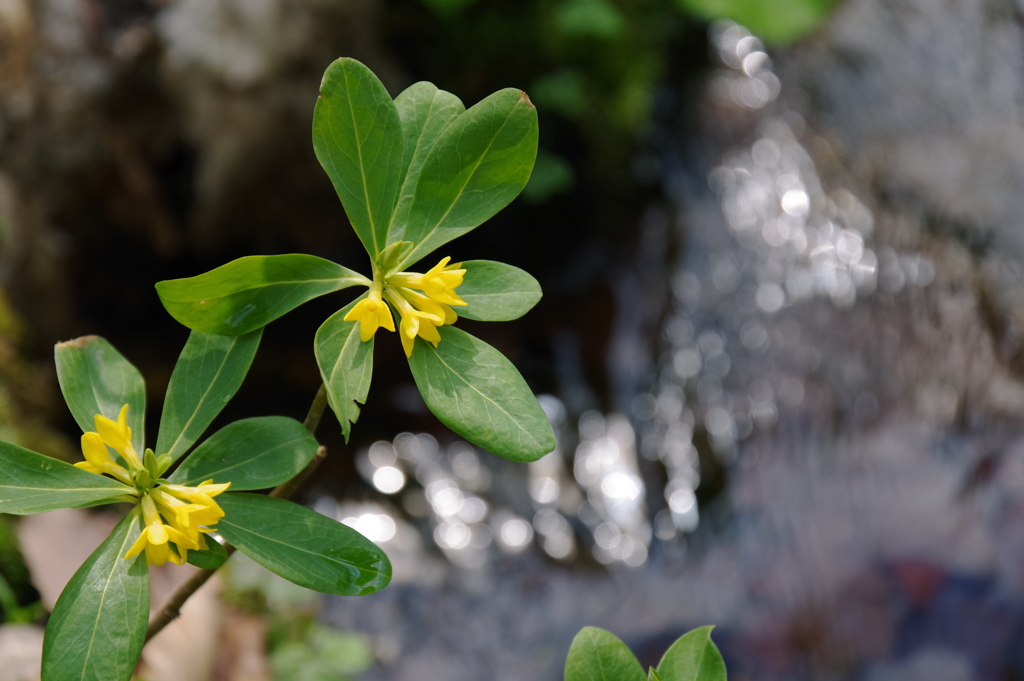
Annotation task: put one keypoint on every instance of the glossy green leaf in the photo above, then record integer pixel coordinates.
(253, 453)
(778, 22)
(693, 657)
(303, 546)
(496, 292)
(480, 162)
(99, 623)
(425, 111)
(246, 294)
(96, 379)
(598, 655)
(33, 483)
(209, 371)
(346, 366)
(357, 137)
(474, 390)
(653, 675)
(211, 558)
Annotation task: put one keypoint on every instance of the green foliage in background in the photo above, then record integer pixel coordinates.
(777, 22)
(594, 66)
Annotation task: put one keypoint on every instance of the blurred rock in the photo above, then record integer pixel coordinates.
(21, 648)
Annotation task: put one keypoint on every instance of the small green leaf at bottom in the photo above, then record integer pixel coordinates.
(98, 625)
(598, 655)
(474, 390)
(693, 657)
(652, 675)
(303, 546)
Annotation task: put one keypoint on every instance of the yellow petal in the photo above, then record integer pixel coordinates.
(157, 533)
(139, 544)
(94, 450)
(371, 313)
(86, 466)
(158, 554)
(407, 344)
(114, 433)
(428, 332)
(212, 489)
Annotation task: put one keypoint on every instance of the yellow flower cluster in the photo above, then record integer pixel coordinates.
(175, 514)
(422, 310)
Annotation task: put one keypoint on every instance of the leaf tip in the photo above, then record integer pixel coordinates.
(523, 97)
(79, 342)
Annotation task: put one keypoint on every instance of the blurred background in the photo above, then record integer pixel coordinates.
(781, 342)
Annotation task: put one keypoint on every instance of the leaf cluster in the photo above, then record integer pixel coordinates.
(412, 173)
(98, 625)
(598, 655)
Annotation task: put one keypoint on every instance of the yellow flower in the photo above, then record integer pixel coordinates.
(421, 313)
(118, 436)
(202, 494)
(185, 517)
(414, 323)
(425, 304)
(155, 538)
(97, 459)
(372, 313)
(172, 514)
(439, 282)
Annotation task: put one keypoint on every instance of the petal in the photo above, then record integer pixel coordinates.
(178, 559)
(139, 544)
(428, 332)
(384, 318)
(157, 554)
(114, 434)
(212, 489)
(407, 344)
(86, 466)
(94, 450)
(450, 317)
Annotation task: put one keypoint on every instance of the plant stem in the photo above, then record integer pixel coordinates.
(172, 609)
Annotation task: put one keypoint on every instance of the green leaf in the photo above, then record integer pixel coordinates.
(357, 137)
(99, 623)
(246, 294)
(346, 366)
(496, 292)
(33, 483)
(653, 675)
(303, 546)
(693, 657)
(96, 379)
(425, 111)
(779, 22)
(253, 453)
(598, 655)
(474, 390)
(210, 369)
(210, 559)
(480, 162)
